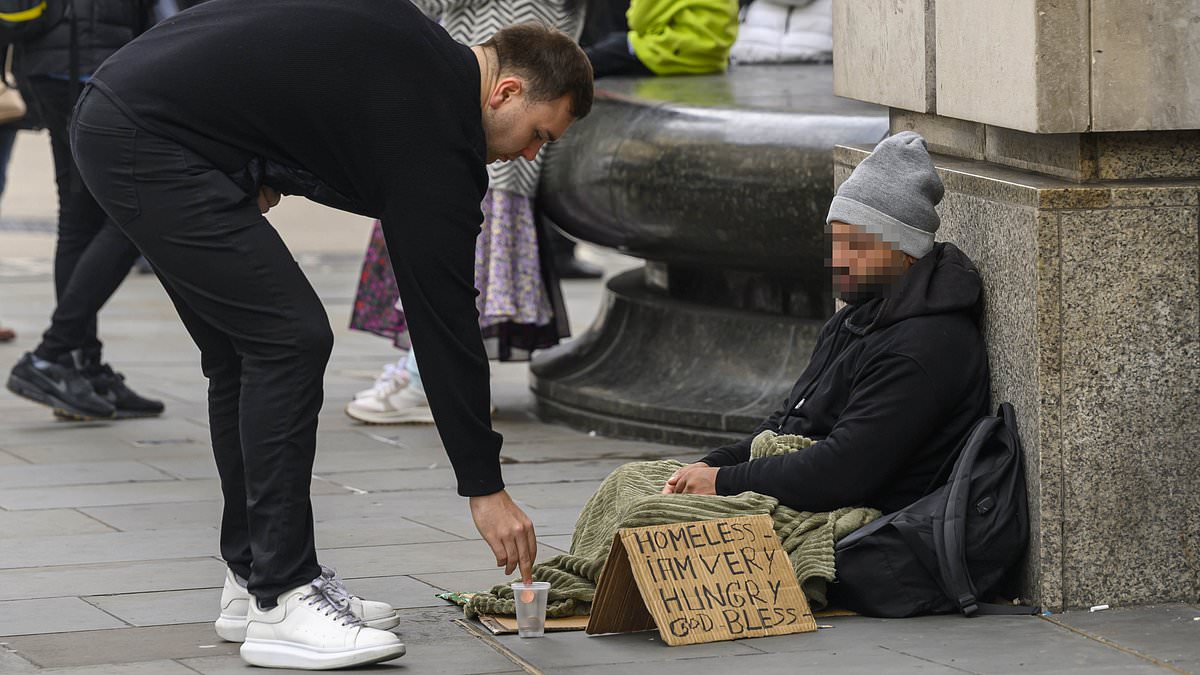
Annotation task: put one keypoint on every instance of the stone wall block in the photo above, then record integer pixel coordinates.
(883, 52)
(1145, 65)
(1131, 396)
(1020, 65)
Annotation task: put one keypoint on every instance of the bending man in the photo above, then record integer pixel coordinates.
(188, 134)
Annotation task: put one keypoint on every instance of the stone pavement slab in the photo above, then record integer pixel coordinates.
(377, 561)
(376, 531)
(467, 582)
(158, 516)
(162, 608)
(157, 492)
(147, 668)
(29, 617)
(549, 496)
(82, 473)
(858, 644)
(49, 522)
(108, 547)
(564, 650)
(111, 578)
(53, 450)
(74, 496)
(562, 542)
(547, 521)
(1167, 633)
(121, 646)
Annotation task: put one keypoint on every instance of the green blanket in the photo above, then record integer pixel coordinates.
(632, 496)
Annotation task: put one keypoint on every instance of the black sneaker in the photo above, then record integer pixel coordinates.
(110, 385)
(59, 386)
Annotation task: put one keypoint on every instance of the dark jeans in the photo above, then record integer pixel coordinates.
(93, 256)
(602, 18)
(8, 135)
(611, 56)
(263, 335)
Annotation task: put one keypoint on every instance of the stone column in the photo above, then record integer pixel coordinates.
(1067, 135)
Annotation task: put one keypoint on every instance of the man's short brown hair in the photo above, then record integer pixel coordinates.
(549, 62)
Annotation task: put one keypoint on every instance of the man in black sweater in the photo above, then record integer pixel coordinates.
(897, 377)
(191, 132)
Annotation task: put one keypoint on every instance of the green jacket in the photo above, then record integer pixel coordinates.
(675, 37)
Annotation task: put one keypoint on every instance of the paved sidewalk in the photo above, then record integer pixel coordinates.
(108, 539)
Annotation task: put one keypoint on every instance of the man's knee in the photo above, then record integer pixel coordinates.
(314, 340)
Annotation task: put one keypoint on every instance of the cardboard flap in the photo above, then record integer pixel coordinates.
(618, 606)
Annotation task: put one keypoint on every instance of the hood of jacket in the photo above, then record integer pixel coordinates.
(944, 281)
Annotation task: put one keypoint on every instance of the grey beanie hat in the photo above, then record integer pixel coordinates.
(892, 194)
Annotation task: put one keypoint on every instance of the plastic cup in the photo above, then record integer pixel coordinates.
(530, 600)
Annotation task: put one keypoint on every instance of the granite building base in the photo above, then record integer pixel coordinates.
(1093, 328)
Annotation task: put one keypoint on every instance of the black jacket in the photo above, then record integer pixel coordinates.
(101, 26)
(892, 387)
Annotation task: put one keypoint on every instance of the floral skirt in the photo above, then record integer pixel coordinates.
(520, 308)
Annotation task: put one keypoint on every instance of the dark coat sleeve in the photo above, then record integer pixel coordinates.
(431, 223)
(892, 407)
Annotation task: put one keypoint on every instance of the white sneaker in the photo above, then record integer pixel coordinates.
(310, 630)
(393, 377)
(400, 406)
(235, 605)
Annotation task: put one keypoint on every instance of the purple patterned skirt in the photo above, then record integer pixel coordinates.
(520, 308)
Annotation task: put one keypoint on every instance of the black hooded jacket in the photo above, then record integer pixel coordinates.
(101, 28)
(892, 387)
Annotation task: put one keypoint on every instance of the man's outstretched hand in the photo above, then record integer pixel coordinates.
(509, 532)
(696, 478)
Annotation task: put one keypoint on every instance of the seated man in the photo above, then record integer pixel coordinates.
(897, 377)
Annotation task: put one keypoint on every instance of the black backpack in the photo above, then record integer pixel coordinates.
(954, 546)
(25, 19)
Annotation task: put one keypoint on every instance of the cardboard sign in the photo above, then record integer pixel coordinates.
(702, 581)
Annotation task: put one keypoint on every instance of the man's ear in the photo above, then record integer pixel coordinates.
(506, 88)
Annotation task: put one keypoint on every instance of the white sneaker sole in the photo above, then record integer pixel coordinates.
(281, 654)
(232, 628)
(416, 416)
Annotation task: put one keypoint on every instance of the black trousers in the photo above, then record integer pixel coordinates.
(263, 335)
(92, 256)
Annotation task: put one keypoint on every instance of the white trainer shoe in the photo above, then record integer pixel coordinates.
(235, 605)
(393, 377)
(404, 405)
(310, 629)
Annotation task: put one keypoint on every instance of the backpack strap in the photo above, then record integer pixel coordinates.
(21, 16)
(948, 538)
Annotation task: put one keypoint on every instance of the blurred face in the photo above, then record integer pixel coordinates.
(516, 127)
(864, 266)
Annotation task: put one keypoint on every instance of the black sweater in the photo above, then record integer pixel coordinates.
(893, 386)
(364, 105)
